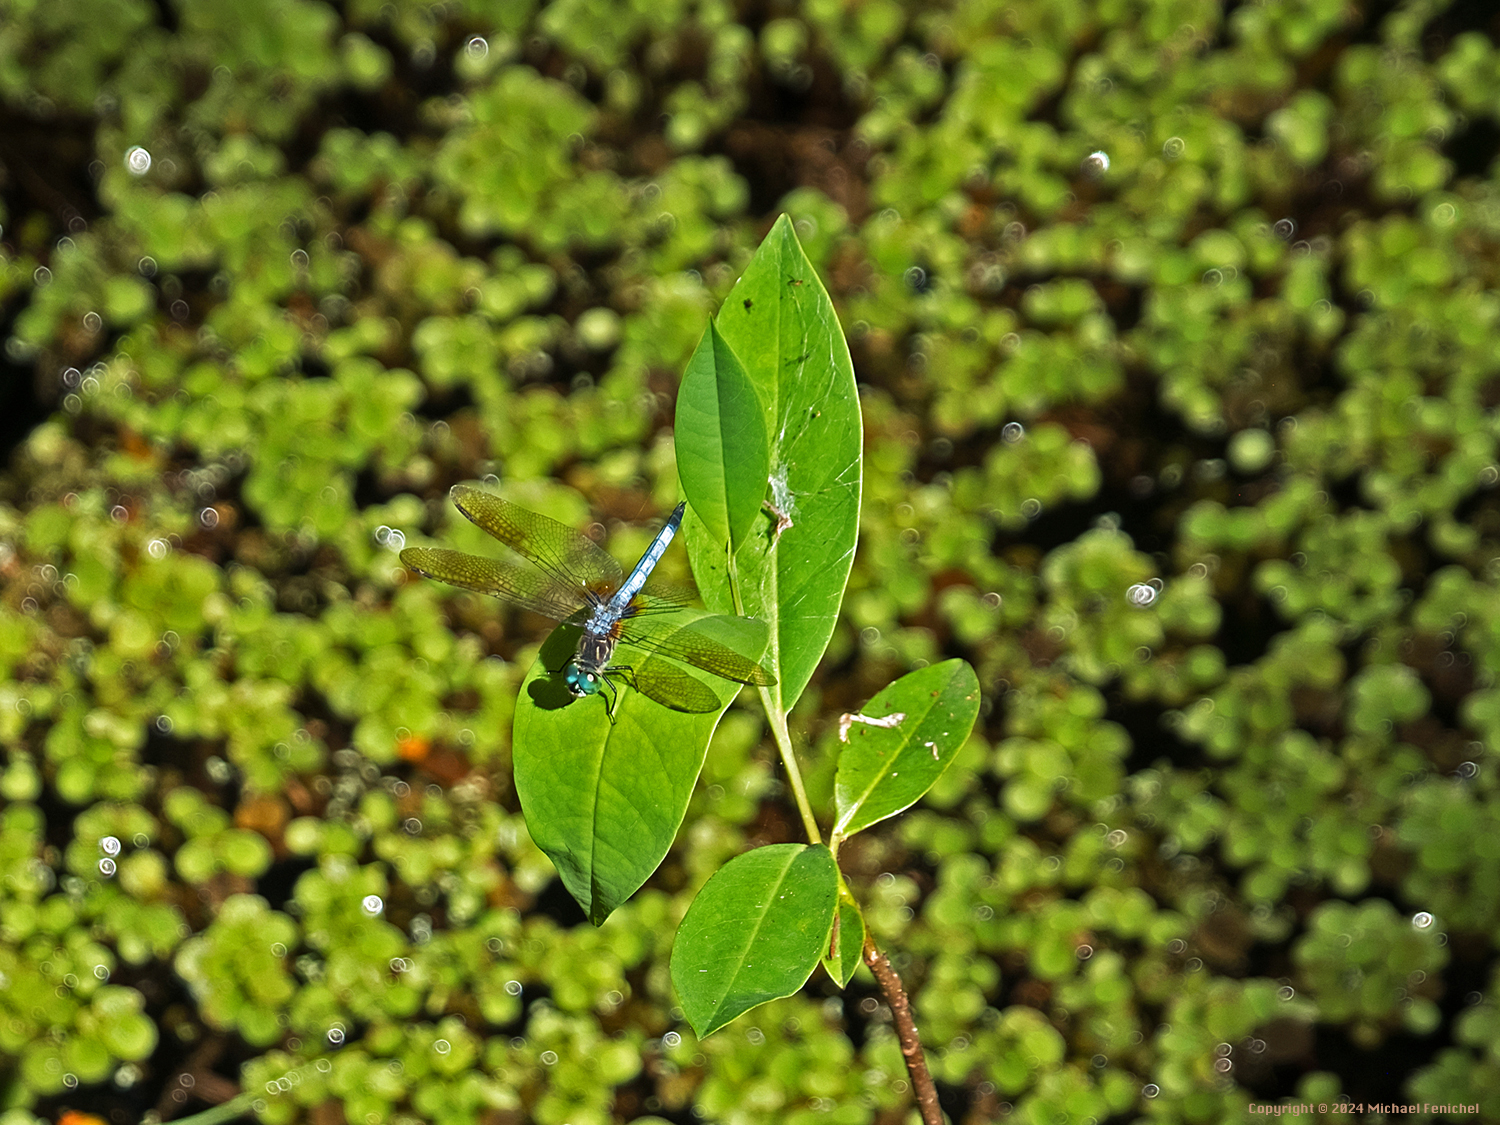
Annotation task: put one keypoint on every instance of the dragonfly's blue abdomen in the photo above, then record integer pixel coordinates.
(637, 579)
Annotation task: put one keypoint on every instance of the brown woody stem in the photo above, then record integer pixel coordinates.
(906, 1033)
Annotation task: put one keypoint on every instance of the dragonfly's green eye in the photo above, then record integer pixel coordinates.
(579, 682)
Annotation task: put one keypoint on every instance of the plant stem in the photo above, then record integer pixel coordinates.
(777, 717)
(906, 1033)
(219, 1114)
(783, 739)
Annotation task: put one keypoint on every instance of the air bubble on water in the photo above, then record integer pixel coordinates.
(109, 845)
(442, 1046)
(397, 540)
(1174, 148)
(372, 905)
(1096, 163)
(41, 275)
(477, 48)
(209, 518)
(1150, 1089)
(382, 534)
(147, 266)
(106, 867)
(1421, 920)
(164, 724)
(1285, 228)
(138, 160)
(1012, 432)
(513, 987)
(1140, 595)
(299, 259)
(158, 548)
(671, 1039)
(335, 1035)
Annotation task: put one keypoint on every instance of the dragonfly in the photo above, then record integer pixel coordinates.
(569, 574)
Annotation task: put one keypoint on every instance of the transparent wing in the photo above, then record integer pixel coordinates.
(662, 598)
(670, 686)
(526, 586)
(690, 646)
(569, 557)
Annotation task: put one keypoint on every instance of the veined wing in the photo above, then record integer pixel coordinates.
(526, 586)
(691, 646)
(671, 687)
(569, 557)
(661, 598)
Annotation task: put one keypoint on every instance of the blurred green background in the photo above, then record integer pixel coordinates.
(1179, 356)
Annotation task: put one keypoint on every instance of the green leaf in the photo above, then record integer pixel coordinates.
(847, 944)
(604, 800)
(886, 768)
(791, 573)
(754, 933)
(723, 453)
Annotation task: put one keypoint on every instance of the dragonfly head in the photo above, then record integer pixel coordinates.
(582, 683)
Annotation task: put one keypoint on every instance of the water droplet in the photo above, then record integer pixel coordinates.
(1012, 432)
(299, 259)
(1285, 228)
(41, 275)
(158, 548)
(209, 518)
(109, 845)
(1095, 164)
(147, 266)
(92, 322)
(1421, 920)
(1174, 148)
(335, 1035)
(106, 867)
(1150, 1089)
(372, 905)
(1140, 595)
(138, 160)
(477, 48)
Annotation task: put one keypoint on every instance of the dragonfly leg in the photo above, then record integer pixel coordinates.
(614, 698)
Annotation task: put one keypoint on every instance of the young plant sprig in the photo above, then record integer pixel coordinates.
(769, 437)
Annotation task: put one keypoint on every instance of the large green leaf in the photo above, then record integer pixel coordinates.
(779, 321)
(723, 453)
(604, 800)
(887, 765)
(754, 933)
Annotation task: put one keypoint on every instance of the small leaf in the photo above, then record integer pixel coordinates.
(847, 944)
(793, 568)
(888, 765)
(723, 454)
(754, 933)
(604, 800)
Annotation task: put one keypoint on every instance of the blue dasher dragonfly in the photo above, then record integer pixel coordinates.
(571, 574)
